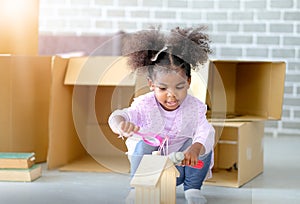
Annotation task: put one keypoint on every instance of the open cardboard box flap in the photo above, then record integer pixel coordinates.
(245, 90)
(99, 71)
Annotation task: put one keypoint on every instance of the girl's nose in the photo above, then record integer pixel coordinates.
(170, 93)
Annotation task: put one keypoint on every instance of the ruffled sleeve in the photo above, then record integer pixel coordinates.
(137, 113)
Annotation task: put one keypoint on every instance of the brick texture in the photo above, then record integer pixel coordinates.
(250, 29)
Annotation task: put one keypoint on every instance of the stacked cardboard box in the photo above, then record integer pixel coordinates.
(241, 96)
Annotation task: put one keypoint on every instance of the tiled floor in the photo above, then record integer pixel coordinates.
(280, 183)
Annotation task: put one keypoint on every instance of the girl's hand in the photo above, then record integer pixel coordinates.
(127, 129)
(190, 158)
(192, 154)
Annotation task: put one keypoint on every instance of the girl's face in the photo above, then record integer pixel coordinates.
(170, 88)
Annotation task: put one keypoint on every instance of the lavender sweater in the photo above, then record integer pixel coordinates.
(189, 122)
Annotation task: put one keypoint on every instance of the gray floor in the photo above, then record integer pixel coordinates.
(280, 183)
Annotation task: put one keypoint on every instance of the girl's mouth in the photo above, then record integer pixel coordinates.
(172, 104)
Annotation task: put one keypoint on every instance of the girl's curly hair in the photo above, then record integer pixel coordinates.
(184, 48)
(191, 45)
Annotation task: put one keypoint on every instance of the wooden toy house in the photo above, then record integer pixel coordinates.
(155, 180)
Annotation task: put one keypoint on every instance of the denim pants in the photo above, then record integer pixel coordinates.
(191, 178)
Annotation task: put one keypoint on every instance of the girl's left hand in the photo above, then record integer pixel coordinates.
(192, 154)
(190, 158)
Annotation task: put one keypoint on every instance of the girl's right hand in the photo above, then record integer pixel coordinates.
(127, 129)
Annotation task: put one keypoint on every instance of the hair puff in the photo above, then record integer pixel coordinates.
(141, 46)
(190, 44)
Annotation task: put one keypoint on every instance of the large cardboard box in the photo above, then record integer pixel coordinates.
(24, 104)
(84, 92)
(19, 27)
(245, 90)
(238, 153)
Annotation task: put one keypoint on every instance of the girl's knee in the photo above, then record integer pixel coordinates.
(143, 148)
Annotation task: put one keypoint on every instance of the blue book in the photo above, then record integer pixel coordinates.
(16, 160)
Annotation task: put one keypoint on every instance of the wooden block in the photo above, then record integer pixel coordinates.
(155, 180)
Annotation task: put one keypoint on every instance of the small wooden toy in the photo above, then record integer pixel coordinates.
(155, 180)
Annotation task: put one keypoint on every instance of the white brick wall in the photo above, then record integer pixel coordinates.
(255, 29)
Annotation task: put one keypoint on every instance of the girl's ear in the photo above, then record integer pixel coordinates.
(189, 81)
(150, 84)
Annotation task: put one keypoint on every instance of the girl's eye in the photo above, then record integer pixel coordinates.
(162, 88)
(179, 87)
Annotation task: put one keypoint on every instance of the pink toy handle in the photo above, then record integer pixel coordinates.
(199, 165)
(151, 139)
(178, 157)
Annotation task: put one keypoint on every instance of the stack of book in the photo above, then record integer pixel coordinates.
(19, 167)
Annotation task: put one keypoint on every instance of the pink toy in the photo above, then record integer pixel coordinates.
(157, 141)
(199, 165)
(177, 157)
(151, 138)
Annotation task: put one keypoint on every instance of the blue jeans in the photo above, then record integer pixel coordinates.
(190, 177)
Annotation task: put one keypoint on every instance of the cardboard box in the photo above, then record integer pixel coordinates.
(24, 94)
(19, 27)
(84, 92)
(245, 90)
(238, 153)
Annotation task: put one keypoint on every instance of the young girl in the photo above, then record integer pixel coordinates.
(168, 110)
